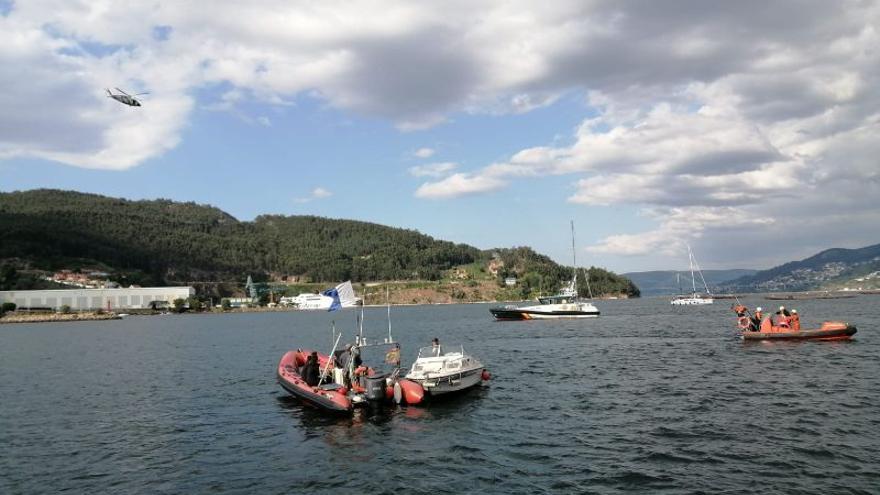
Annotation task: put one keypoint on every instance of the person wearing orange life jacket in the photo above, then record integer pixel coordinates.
(783, 317)
(795, 321)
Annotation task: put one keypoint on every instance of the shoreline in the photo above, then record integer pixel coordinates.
(54, 317)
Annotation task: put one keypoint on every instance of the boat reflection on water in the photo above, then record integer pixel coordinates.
(344, 431)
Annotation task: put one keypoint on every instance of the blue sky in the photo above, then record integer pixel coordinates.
(650, 129)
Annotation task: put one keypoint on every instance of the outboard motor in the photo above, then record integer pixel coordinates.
(375, 388)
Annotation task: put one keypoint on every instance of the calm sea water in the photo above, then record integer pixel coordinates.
(647, 398)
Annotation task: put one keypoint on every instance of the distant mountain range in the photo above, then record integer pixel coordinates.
(832, 269)
(663, 282)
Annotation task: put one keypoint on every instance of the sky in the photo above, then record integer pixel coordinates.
(748, 129)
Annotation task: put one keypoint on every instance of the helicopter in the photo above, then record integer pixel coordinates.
(125, 98)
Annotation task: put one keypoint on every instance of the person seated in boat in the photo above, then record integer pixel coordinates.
(795, 321)
(435, 346)
(310, 370)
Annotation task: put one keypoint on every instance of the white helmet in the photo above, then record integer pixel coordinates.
(758, 308)
(781, 308)
(794, 311)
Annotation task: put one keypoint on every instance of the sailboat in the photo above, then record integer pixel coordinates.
(563, 305)
(694, 299)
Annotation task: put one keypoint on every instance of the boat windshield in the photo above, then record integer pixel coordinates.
(561, 299)
(441, 350)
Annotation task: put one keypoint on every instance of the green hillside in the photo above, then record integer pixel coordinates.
(156, 242)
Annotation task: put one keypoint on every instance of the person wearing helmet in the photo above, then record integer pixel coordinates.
(756, 320)
(795, 321)
(782, 317)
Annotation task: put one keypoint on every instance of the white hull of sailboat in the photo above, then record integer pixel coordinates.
(692, 301)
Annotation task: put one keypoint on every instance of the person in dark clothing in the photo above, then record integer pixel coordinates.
(310, 371)
(356, 355)
(755, 324)
(343, 356)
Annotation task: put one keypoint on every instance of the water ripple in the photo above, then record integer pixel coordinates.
(647, 399)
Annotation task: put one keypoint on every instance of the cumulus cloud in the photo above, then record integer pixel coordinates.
(457, 185)
(719, 122)
(751, 108)
(317, 193)
(432, 169)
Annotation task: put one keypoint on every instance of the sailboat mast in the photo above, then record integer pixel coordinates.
(691, 263)
(388, 302)
(573, 251)
(700, 271)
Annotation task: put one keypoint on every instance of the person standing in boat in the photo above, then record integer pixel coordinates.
(795, 321)
(435, 346)
(782, 317)
(756, 320)
(349, 360)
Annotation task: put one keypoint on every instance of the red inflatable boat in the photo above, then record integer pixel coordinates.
(788, 328)
(331, 396)
(334, 397)
(830, 330)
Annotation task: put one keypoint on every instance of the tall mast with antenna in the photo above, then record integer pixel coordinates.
(388, 302)
(574, 262)
(691, 263)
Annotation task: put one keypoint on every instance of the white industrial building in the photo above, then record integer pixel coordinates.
(90, 299)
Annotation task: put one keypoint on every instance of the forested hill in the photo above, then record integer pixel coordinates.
(162, 241)
(168, 240)
(539, 273)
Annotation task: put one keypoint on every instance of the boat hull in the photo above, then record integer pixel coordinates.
(449, 384)
(692, 301)
(533, 313)
(332, 400)
(829, 331)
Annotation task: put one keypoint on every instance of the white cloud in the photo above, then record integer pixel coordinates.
(432, 169)
(317, 193)
(458, 185)
(424, 153)
(416, 63)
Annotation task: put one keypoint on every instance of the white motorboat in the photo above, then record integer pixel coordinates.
(440, 370)
(563, 305)
(694, 299)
